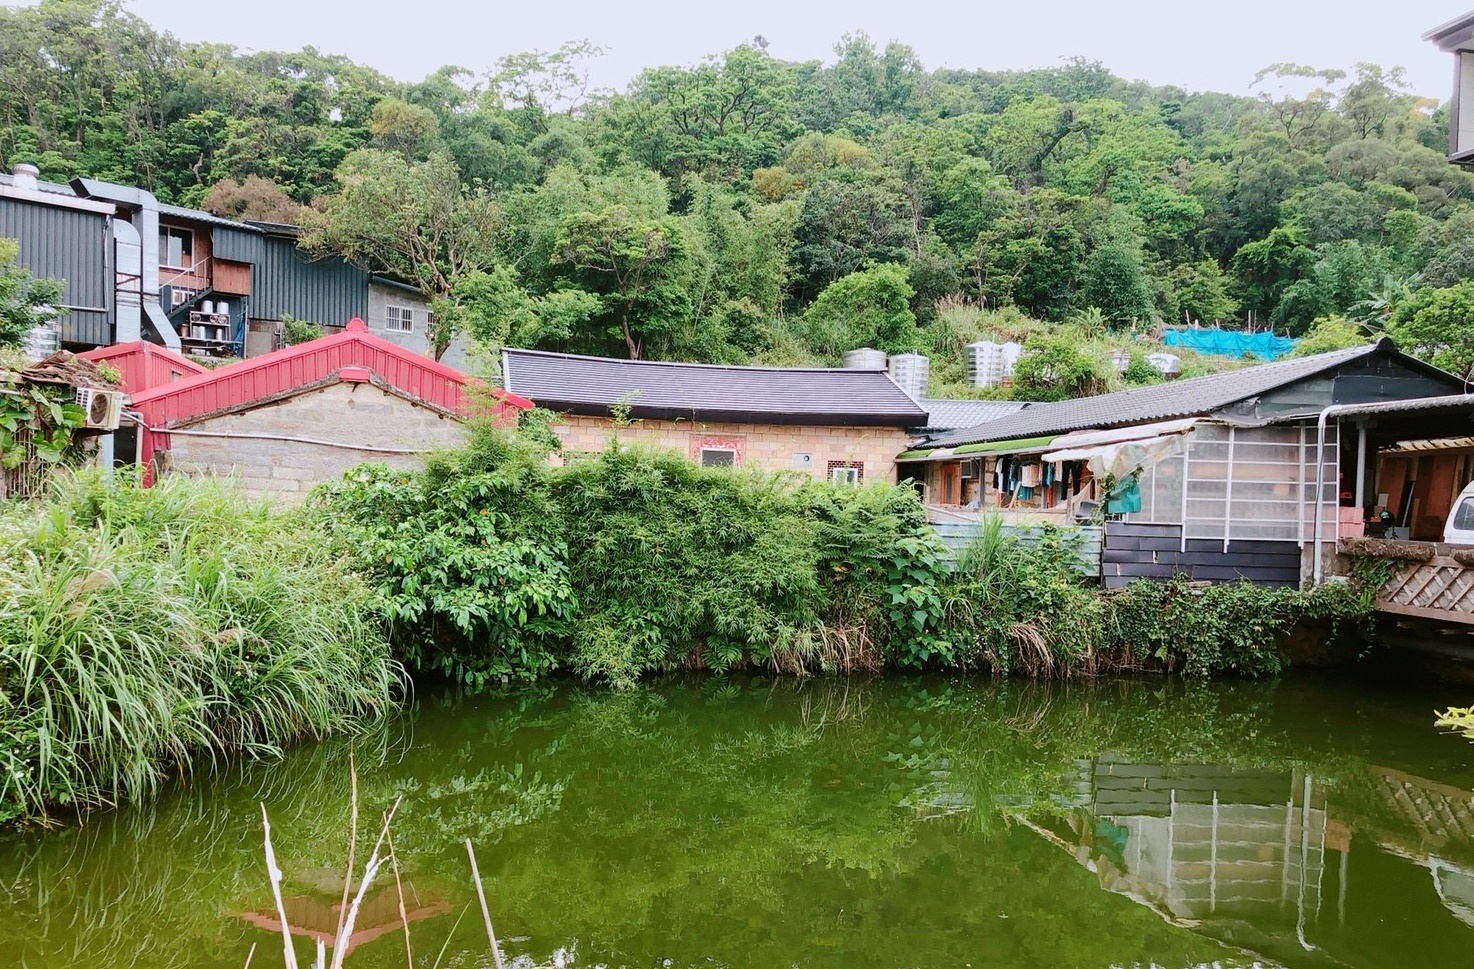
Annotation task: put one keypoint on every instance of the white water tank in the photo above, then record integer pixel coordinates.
(207, 307)
(41, 341)
(910, 371)
(222, 308)
(988, 363)
(864, 359)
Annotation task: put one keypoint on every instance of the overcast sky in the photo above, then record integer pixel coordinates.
(1195, 45)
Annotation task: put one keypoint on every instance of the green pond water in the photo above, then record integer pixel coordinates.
(864, 823)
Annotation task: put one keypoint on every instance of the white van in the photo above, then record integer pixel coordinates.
(1460, 527)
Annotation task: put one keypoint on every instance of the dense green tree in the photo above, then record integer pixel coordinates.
(412, 220)
(1332, 333)
(1202, 292)
(1116, 284)
(847, 221)
(25, 301)
(638, 266)
(870, 308)
(1435, 325)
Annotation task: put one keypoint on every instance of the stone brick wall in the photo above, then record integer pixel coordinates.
(357, 414)
(770, 447)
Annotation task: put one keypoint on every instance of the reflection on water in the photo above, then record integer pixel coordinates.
(1240, 854)
(871, 824)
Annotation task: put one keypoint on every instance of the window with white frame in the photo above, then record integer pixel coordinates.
(718, 457)
(846, 472)
(399, 319)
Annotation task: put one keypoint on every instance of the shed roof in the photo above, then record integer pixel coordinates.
(1457, 34)
(354, 355)
(1192, 397)
(709, 392)
(145, 365)
(200, 215)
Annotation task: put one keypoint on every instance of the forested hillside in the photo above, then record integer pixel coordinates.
(748, 208)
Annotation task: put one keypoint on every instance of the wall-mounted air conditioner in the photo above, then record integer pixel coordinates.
(103, 409)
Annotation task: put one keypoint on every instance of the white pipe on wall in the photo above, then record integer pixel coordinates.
(291, 440)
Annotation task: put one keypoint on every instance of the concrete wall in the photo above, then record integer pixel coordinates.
(457, 355)
(769, 447)
(358, 414)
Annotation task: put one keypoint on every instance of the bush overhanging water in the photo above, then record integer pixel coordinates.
(495, 564)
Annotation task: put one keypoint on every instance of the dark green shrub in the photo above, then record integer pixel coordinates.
(466, 559)
(494, 564)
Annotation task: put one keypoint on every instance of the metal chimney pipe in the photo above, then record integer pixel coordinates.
(24, 176)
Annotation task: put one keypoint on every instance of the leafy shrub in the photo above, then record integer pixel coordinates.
(144, 629)
(295, 331)
(1015, 607)
(494, 564)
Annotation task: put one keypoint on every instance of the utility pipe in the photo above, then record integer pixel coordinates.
(1317, 571)
(1361, 464)
(290, 440)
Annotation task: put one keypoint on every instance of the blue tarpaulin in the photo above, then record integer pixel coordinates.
(1230, 343)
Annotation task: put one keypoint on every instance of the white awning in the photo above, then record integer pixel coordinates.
(1120, 452)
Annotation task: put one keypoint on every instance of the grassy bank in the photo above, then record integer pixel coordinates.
(495, 564)
(144, 631)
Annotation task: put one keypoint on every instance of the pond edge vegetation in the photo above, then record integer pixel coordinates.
(148, 631)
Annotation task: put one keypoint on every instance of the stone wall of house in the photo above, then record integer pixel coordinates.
(770, 447)
(354, 414)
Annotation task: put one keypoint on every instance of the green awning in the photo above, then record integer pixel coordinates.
(1016, 446)
(995, 447)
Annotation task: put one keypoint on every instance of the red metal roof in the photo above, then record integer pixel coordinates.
(353, 356)
(307, 363)
(145, 365)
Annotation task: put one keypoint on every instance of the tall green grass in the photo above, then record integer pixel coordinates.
(144, 632)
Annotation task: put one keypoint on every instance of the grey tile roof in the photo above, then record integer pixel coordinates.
(951, 415)
(709, 392)
(1192, 397)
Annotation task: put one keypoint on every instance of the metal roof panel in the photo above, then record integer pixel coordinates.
(1192, 397)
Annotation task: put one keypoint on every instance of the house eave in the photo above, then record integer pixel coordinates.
(1455, 35)
(713, 416)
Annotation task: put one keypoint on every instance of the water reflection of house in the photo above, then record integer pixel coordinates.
(1197, 841)
(1433, 828)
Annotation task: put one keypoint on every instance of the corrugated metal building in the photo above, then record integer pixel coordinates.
(285, 281)
(202, 282)
(69, 239)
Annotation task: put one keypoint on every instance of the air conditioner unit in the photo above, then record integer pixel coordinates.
(103, 409)
(969, 470)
